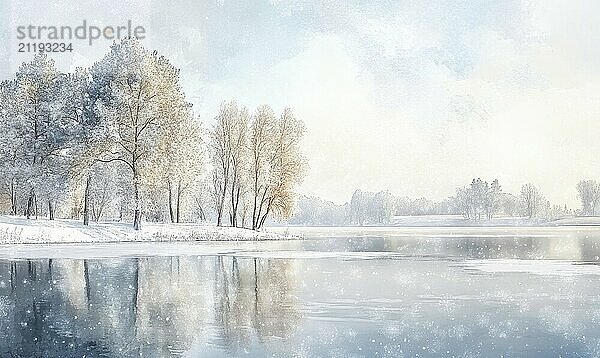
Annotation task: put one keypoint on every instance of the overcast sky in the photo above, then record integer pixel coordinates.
(414, 97)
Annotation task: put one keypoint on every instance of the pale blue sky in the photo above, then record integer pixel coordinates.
(413, 96)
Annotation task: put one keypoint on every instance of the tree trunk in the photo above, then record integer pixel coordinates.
(137, 220)
(137, 214)
(222, 200)
(234, 200)
(121, 210)
(178, 214)
(171, 210)
(236, 205)
(137, 224)
(30, 204)
(86, 202)
(35, 205)
(98, 213)
(201, 215)
(13, 198)
(255, 197)
(221, 205)
(257, 215)
(262, 220)
(50, 210)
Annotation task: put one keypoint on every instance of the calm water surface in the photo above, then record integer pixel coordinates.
(363, 293)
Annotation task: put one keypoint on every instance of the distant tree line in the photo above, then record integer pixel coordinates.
(120, 141)
(478, 201)
(482, 201)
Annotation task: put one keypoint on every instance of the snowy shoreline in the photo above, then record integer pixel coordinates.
(18, 230)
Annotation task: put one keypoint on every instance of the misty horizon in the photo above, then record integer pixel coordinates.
(401, 97)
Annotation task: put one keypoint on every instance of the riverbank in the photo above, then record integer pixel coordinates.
(14, 230)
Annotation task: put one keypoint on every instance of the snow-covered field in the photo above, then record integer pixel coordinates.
(460, 221)
(438, 232)
(577, 221)
(536, 267)
(21, 230)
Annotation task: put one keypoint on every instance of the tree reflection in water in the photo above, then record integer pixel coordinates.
(151, 307)
(329, 296)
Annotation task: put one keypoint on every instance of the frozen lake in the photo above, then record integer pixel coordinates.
(341, 292)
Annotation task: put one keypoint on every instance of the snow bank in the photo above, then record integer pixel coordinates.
(577, 221)
(537, 267)
(438, 232)
(20, 230)
(460, 221)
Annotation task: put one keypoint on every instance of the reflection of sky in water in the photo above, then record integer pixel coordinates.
(427, 297)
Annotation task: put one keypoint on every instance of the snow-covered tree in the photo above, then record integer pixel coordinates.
(374, 208)
(139, 93)
(121, 137)
(492, 199)
(45, 133)
(37, 91)
(311, 210)
(11, 159)
(478, 200)
(463, 202)
(589, 194)
(178, 165)
(509, 204)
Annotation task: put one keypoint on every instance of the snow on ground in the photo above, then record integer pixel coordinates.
(577, 221)
(437, 232)
(20, 230)
(537, 267)
(459, 220)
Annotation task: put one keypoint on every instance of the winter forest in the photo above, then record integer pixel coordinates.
(119, 141)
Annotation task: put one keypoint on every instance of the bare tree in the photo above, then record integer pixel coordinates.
(229, 144)
(239, 158)
(532, 200)
(277, 164)
(221, 147)
(261, 150)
